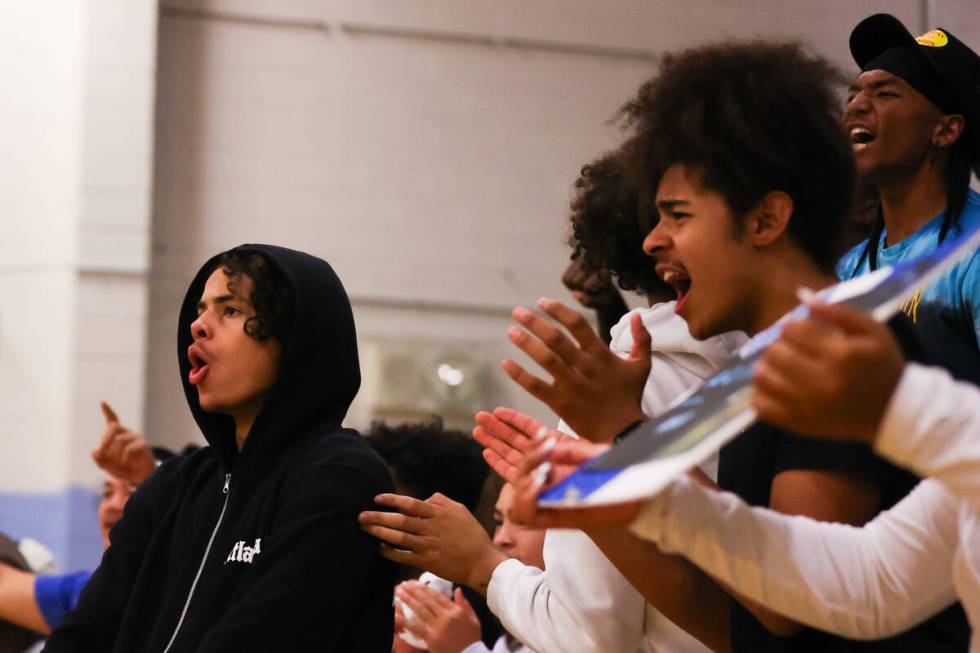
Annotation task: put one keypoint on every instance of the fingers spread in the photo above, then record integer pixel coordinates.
(540, 352)
(531, 428)
(549, 337)
(504, 469)
(535, 386)
(499, 429)
(575, 323)
(502, 449)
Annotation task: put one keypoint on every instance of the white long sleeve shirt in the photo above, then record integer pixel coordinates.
(581, 603)
(865, 583)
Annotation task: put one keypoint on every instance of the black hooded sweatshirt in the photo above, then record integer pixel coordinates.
(257, 550)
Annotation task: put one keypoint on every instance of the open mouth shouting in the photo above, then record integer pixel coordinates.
(677, 277)
(861, 137)
(199, 365)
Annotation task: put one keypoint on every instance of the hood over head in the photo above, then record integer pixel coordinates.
(319, 374)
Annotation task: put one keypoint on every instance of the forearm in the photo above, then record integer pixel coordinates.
(861, 583)
(932, 425)
(678, 589)
(18, 604)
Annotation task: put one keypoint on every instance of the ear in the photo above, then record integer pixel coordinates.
(770, 219)
(948, 131)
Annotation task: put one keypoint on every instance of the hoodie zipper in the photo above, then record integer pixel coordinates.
(197, 577)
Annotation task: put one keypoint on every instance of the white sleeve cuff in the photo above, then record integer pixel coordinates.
(476, 647)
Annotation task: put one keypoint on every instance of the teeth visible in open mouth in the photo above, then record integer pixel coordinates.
(861, 135)
(670, 275)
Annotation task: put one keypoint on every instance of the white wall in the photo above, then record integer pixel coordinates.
(77, 111)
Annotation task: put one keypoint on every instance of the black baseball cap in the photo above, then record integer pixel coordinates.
(937, 64)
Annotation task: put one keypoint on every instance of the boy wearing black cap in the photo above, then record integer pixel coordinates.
(913, 116)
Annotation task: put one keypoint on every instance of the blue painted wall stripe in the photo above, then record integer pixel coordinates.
(66, 522)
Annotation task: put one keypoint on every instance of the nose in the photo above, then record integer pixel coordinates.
(118, 502)
(656, 241)
(860, 104)
(502, 539)
(201, 327)
(113, 505)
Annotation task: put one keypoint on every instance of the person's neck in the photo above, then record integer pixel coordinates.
(242, 427)
(778, 288)
(910, 201)
(244, 419)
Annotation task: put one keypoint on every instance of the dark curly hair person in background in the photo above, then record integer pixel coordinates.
(425, 458)
(607, 244)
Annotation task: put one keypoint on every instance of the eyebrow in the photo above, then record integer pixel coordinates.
(220, 299)
(891, 81)
(666, 205)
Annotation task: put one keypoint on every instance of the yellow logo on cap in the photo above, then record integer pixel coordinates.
(933, 39)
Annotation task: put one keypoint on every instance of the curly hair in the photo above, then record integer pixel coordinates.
(605, 233)
(425, 458)
(271, 295)
(752, 117)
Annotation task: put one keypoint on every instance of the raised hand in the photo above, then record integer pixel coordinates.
(505, 439)
(123, 453)
(831, 374)
(439, 535)
(595, 391)
(446, 626)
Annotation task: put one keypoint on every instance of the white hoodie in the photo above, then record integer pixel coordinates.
(581, 603)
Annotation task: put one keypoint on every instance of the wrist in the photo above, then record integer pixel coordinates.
(481, 572)
(623, 425)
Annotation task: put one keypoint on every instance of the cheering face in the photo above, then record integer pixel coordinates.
(890, 124)
(115, 494)
(700, 253)
(525, 544)
(232, 371)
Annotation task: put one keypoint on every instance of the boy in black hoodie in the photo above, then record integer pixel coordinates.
(252, 543)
